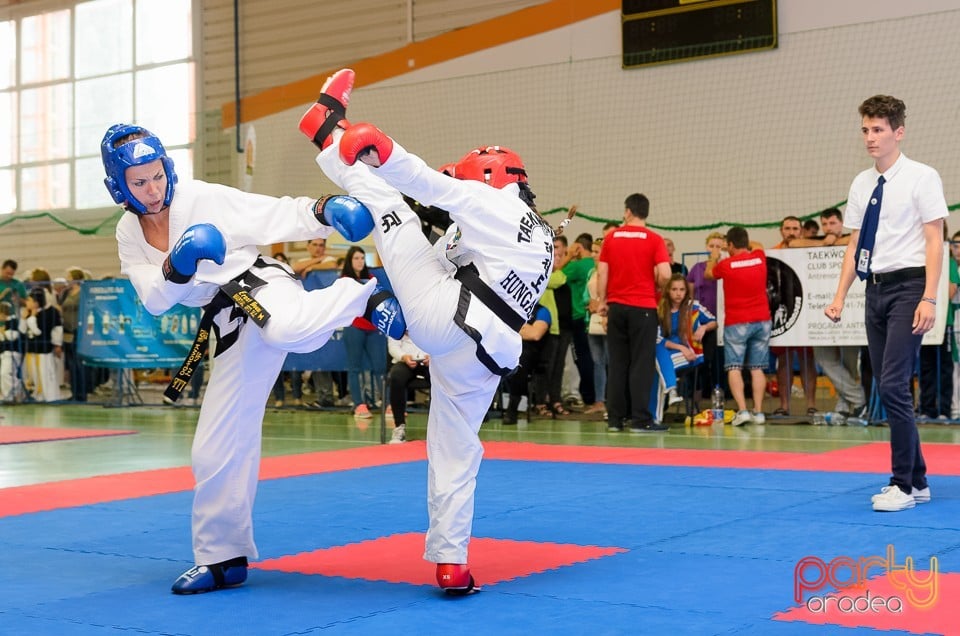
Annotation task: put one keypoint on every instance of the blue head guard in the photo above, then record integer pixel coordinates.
(135, 152)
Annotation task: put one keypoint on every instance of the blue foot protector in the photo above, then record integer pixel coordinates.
(207, 578)
(383, 310)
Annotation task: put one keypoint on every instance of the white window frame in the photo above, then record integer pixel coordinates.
(17, 13)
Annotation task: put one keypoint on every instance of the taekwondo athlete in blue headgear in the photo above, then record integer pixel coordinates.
(195, 243)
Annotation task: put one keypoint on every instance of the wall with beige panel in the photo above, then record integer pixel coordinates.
(740, 139)
(281, 41)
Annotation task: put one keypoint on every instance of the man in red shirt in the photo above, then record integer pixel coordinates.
(633, 264)
(746, 319)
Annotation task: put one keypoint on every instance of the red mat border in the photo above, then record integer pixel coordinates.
(865, 458)
(44, 434)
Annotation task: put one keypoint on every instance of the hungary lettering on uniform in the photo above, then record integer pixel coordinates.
(747, 263)
(518, 290)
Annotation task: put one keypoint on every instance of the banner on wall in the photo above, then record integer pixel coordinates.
(117, 331)
(801, 282)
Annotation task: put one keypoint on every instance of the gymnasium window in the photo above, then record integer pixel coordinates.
(66, 75)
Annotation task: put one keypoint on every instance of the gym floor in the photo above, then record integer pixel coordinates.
(697, 512)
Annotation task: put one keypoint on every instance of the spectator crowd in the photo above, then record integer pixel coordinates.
(623, 331)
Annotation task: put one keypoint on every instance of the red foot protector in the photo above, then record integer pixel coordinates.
(920, 604)
(397, 559)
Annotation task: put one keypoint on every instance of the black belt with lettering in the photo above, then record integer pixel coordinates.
(234, 293)
(897, 276)
(469, 277)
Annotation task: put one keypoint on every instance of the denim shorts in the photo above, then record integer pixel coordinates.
(748, 340)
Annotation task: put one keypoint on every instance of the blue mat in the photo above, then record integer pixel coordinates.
(708, 551)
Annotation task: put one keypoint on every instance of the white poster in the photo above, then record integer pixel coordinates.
(802, 281)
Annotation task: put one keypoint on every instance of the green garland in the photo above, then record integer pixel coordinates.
(709, 226)
(110, 220)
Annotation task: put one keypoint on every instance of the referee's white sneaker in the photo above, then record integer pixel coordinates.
(919, 495)
(892, 499)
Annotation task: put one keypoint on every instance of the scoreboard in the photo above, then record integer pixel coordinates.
(662, 31)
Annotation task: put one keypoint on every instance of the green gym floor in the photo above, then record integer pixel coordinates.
(95, 528)
(164, 433)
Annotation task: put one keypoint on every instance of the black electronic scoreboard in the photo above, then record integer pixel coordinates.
(662, 31)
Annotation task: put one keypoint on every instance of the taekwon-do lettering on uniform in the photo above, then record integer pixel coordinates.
(528, 222)
(389, 220)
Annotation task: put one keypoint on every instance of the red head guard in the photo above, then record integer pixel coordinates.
(494, 165)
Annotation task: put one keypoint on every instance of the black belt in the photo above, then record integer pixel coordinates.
(234, 293)
(469, 277)
(897, 276)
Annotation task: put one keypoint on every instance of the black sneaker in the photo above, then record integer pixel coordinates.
(857, 411)
(649, 427)
(613, 428)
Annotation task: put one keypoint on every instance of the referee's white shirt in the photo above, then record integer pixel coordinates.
(912, 196)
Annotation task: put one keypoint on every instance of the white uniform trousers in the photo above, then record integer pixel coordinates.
(226, 446)
(461, 387)
(10, 387)
(40, 374)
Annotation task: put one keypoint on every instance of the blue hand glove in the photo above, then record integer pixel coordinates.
(346, 215)
(383, 310)
(199, 242)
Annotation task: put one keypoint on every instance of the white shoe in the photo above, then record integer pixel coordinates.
(399, 434)
(892, 499)
(758, 418)
(919, 496)
(673, 398)
(741, 418)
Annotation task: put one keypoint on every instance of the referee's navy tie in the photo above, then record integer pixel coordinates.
(868, 231)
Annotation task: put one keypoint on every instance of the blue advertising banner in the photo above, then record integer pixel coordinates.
(116, 331)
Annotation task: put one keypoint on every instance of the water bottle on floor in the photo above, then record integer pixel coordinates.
(835, 419)
(717, 401)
